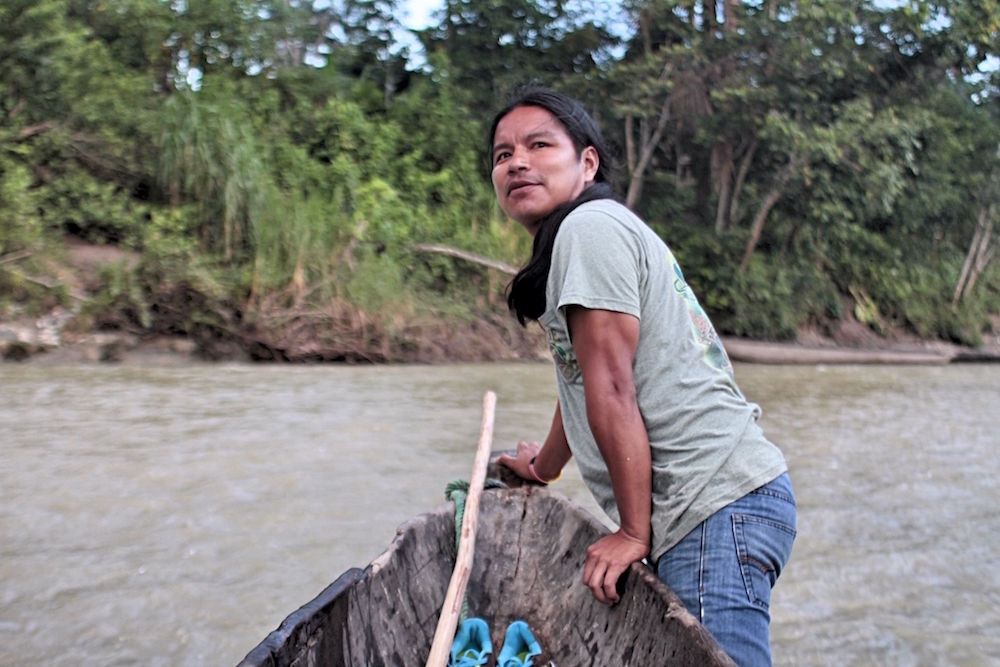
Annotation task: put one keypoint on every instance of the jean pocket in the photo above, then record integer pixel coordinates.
(763, 546)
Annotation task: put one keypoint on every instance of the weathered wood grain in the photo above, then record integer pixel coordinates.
(311, 630)
(530, 550)
(531, 569)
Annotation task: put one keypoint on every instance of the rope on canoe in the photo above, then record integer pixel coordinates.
(457, 490)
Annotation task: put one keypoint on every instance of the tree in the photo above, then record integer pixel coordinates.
(493, 46)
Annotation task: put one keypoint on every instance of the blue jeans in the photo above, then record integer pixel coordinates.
(724, 569)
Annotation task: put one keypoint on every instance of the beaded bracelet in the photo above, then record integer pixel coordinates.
(531, 469)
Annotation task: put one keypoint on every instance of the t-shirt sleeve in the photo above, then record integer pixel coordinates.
(596, 264)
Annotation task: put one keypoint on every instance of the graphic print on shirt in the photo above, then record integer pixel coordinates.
(704, 333)
(562, 354)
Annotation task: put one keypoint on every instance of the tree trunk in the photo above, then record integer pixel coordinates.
(648, 143)
(723, 155)
(741, 178)
(708, 12)
(765, 208)
(630, 158)
(730, 10)
(724, 197)
(683, 162)
(980, 253)
(703, 186)
(758, 224)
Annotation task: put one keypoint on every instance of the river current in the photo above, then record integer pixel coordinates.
(175, 515)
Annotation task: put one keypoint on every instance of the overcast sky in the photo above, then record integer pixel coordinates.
(418, 12)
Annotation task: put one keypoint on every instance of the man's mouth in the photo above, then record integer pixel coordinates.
(519, 185)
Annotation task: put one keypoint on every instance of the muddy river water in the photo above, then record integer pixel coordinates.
(174, 515)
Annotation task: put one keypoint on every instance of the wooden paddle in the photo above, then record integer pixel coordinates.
(448, 621)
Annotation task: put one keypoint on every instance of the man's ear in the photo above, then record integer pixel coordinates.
(591, 162)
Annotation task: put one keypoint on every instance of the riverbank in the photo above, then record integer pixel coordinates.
(48, 340)
(51, 339)
(339, 332)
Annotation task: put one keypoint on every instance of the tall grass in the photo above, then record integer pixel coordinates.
(210, 156)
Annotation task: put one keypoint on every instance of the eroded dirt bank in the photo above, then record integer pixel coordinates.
(341, 333)
(354, 338)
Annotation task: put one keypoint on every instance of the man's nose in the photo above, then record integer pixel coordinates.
(518, 160)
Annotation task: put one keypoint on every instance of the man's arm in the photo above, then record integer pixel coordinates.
(549, 459)
(605, 343)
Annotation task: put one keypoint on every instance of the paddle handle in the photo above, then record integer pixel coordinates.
(448, 621)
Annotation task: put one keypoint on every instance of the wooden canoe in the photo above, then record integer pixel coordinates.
(529, 559)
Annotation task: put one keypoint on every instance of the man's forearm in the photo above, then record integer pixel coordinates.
(624, 444)
(555, 453)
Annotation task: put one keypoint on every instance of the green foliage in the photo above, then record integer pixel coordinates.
(89, 208)
(210, 156)
(378, 286)
(260, 154)
(32, 35)
(20, 228)
(486, 48)
(770, 301)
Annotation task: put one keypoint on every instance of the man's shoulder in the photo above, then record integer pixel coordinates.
(605, 215)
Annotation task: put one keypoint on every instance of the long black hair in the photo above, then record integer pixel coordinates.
(526, 292)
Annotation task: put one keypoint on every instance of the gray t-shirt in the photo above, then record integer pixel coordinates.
(707, 449)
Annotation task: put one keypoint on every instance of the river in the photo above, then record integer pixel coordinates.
(173, 515)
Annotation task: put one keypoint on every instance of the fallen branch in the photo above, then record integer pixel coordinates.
(467, 256)
(48, 284)
(14, 256)
(17, 108)
(28, 132)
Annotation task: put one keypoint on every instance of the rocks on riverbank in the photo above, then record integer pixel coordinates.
(44, 341)
(52, 339)
(48, 340)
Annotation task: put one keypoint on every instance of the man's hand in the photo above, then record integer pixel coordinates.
(607, 560)
(519, 463)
